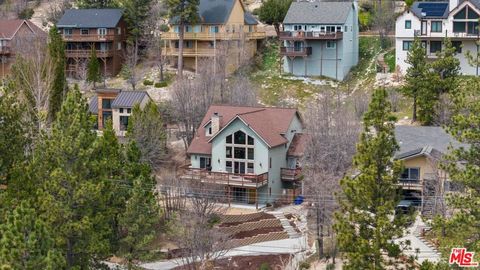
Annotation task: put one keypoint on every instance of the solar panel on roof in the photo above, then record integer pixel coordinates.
(433, 9)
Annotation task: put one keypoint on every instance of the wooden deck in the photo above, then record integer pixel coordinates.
(291, 174)
(228, 179)
(5, 50)
(214, 36)
(310, 35)
(293, 51)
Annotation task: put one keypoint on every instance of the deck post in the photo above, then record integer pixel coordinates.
(256, 193)
(229, 191)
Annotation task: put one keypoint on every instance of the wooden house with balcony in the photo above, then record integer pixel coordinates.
(101, 29)
(421, 150)
(17, 37)
(253, 152)
(224, 29)
(320, 38)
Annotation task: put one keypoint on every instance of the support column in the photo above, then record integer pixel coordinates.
(196, 57)
(321, 58)
(336, 60)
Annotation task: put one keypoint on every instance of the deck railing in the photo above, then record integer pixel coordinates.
(90, 37)
(224, 178)
(212, 36)
(86, 53)
(288, 174)
(295, 51)
(293, 35)
(5, 50)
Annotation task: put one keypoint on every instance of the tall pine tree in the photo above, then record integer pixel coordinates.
(93, 68)
(56, 49)
(463, 168)
(72, 194)
(364, 224)
(26, 242)
(138, 221)
(13, 133)
(416, 73)
(182, 12)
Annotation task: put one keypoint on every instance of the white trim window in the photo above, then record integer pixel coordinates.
(240, 153)
(331, 44)
(102, 32)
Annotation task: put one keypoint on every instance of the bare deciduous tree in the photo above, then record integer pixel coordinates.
(333, 131)
(200, 242)
(33, 74)
(130, 70)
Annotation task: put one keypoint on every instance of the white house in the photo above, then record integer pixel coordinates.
(432, 22)
(252, 152)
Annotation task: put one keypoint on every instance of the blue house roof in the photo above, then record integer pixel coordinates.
(430, 9)
(128, 99)
(90, 18)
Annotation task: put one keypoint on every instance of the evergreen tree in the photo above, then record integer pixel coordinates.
(13, 133)
(416, 73)
(146, 129)
(72, 195)
(364, 225)
(139, 220)
(26, 242)
(463, 168)
(56, 49)
(96, 3)
(273, 12)
(446, 68)
(93, 68)
(182, 12)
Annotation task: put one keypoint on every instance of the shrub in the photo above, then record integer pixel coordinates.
(264, 266)
(330, 266)
(160, 84)
(147, 82)
(26, 13)
(305, 266)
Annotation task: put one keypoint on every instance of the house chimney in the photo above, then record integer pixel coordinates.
(215, 122)
(452, 4)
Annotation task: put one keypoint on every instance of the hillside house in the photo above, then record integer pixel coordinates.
(320, 38)
(225, 29)
(421, 150)
(431, 22)
(116, 105)
(253, 152)
(102, 29)
(17, 37)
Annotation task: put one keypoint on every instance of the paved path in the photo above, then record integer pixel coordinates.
(425, 250)
(264, 248)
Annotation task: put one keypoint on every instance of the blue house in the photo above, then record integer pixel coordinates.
(320, 39)
(252, 152)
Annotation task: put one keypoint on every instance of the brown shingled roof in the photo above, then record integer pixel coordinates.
(268, 123)
(8, 28)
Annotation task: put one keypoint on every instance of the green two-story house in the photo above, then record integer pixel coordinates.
(254, 152)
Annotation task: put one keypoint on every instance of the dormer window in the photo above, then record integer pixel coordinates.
(208, 130)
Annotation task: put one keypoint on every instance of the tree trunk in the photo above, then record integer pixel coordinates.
(320, 233)
(277, 28)
(414, 116)
(134, 65)
(180, 49)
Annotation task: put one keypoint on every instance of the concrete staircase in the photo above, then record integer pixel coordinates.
(292, 233)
